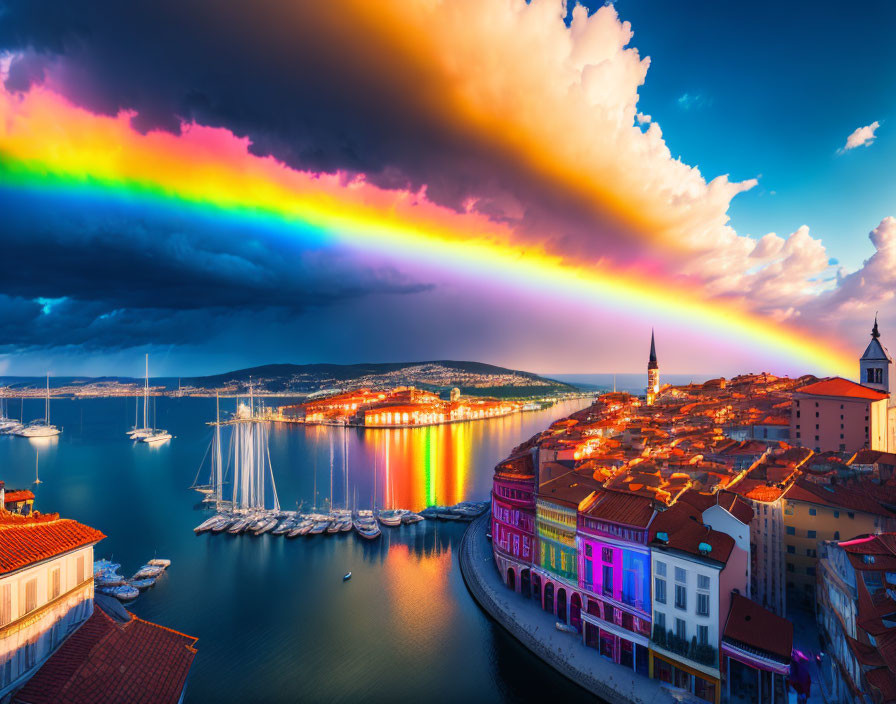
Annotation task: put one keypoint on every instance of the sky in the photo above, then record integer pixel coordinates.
(535, 185)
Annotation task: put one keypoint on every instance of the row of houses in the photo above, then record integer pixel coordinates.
(660, 589)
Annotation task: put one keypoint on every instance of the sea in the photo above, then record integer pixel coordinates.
(274, 619)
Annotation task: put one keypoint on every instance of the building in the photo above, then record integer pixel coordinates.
(840, 415)
(106, 660)
(695, 569)
(875, 363)
(454, 395)
(857, 617)
(757, 646)
(556, 566)
(614, 576)
(46, 589)
(18, 500)
(653, 372)
(513, 520)
(816, 512)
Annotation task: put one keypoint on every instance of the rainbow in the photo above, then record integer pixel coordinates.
(49, 145)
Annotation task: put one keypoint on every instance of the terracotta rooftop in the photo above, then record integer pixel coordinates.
(838, 386)
(569, 488)
(683, 524)
(751, 625)
(25, 540)
(873, 457)
(627, 509)
(16, 495)
(105, 662)
(836, 496)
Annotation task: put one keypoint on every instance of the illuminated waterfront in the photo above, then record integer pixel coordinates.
(274, 621)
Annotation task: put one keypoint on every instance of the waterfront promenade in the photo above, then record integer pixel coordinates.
(536, 630)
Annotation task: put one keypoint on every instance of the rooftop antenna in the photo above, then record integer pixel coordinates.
(36, 466)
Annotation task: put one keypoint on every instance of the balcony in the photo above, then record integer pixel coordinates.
(705, 655)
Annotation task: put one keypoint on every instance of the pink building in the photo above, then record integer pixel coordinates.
(513, 520)
(614, 576)
(839, 415)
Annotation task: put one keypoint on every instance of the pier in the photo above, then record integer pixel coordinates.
(535, 629)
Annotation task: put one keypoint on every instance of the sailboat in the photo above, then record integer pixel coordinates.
(248, 463)
(7, 425)
(138, 433)
(150, 435)
(41, 429)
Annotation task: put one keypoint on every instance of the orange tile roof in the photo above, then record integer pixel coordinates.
(838, 386)
(25, 540)
(752, 625)
(104, 662)
(17, 495)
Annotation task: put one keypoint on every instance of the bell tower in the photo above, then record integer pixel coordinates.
(875, 364)
(653, 372)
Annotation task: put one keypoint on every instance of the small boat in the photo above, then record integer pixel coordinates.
(223, 524)
(122, 593)
(286, 525)
(207, 524)
(264, 526)
(345, 526)
(300, 528)
(334, 527)
(148, 571)
(319, 527)
(157, 436)
(239, 526)
(142, 584)
(390, 517)
(347, 576)
(159, 562)
(108, 580)
(411, 518)
(367, 528)
(105, 565)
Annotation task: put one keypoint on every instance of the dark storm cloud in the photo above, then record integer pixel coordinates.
(125, 275)
(296, 79)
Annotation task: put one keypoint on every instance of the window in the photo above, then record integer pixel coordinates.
(55, 585)
(607, 554)
(791, 549)
(660, 619)
(703, 635)
(661, 568)
(30, 595)
(587, 549)
(608, 580)
(702, 604)
(791, 530)
(5, 604)
(812, 511)
(79, 569)
(702, 581)
(810, 571)
(851, 514)
(681, 597)
(680, 575)
(837, 535)
(680, 629)
(836, 514)
(790, 567)
(810, 534)
(659, 588)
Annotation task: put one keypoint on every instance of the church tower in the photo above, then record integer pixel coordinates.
(874, 366)
(653, 373)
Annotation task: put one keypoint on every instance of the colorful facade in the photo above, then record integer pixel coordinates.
(614, 576)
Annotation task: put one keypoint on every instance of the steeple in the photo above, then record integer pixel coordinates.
(653, 372)
(875, 363)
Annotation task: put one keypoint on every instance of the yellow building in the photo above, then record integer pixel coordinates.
(816, 512)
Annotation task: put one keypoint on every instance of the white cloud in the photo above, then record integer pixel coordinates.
(861, 137)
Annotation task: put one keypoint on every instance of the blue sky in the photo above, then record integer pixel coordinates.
(776, 88)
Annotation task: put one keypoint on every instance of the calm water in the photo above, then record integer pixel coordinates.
(274, 620)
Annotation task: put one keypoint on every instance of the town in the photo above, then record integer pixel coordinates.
(681, 534)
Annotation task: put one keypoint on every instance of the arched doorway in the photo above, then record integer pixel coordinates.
(549, 597)
(575, 611)
(525, 583)
(536, 587)
(511, 578)
(561, 604)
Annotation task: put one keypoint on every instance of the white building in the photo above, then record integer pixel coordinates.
(46, 589)
(695, 569)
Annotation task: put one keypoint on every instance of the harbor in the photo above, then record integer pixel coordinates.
(404, 622)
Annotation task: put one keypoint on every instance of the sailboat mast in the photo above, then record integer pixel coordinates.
(146, 392)
(218, 477)
(47, 403)
(345, 463)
